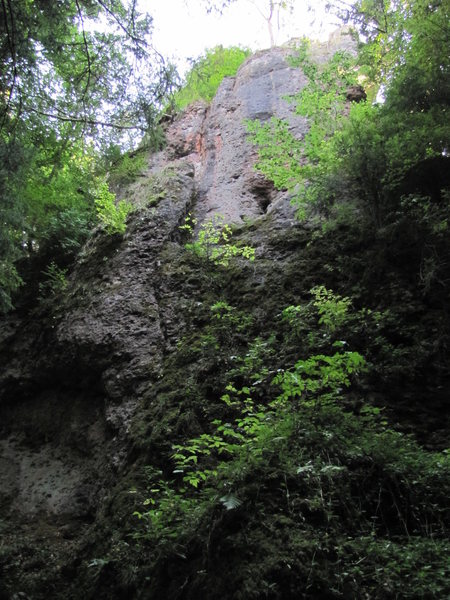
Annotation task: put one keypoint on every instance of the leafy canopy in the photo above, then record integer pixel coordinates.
(84, 62)
(290, 163)
(76, 77)
(113, 215)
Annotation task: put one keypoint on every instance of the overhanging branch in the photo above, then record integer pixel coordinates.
(129, 34)
(86, 121)
(86, 49)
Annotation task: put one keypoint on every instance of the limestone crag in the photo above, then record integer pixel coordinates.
(71, 379)
(102, 382)
(75, 369)
(214, 138)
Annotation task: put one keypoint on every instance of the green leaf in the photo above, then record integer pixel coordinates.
(230, 501)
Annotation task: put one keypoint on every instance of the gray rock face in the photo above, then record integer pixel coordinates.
(107, 343)
(74, 374)
(71, 380)
(215, 141)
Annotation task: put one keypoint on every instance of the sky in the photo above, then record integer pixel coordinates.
(183, 29)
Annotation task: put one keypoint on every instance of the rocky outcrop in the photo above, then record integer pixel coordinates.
(99, 383)
(74, 373)
(87, 363)
(214, 138)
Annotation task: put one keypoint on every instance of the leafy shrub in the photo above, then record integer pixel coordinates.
(353, 508)
(10, 281)
(55, 282)
(214, 242)
(226, 318)
(354, 154)
(279, 152)
(207, 73)
(305, 167)
(113, 215)
(127, 168)
(66, 232)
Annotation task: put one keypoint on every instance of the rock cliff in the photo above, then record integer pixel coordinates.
(96, 385)
(74, 376)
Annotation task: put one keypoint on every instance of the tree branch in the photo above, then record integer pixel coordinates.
(132, 36)
(86, 121)
(11, 44)
(86, 47)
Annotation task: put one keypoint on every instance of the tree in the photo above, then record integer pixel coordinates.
(271, 14)
(76, 76)
(79, 62)
(396, 32)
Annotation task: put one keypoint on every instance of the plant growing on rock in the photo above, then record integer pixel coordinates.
(126, 168)
(113, 215)
(55, 282)
(207, 72)
(355, 153)
(349, 504)
(304, 167)
(213, 242)
(10, 282)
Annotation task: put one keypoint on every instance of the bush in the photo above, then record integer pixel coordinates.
(112, 215)
(214, 242)
(10, 281)
(287, 493)
(127, 168)
(207, 73)
(55, 282)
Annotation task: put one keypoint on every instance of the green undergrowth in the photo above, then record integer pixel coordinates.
(274, 453)
(213, 243)
(207, 73)
(273, 476)
(382, 272)
(111, 214)
(126, 168)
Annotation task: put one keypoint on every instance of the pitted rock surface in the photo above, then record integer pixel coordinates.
(75, 370)
(119, 315)
(71, 379)
(97, 385)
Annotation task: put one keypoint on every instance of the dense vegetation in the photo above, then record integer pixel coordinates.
(71, 95)
(207, 72)
(286, 485)
(282, 478)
